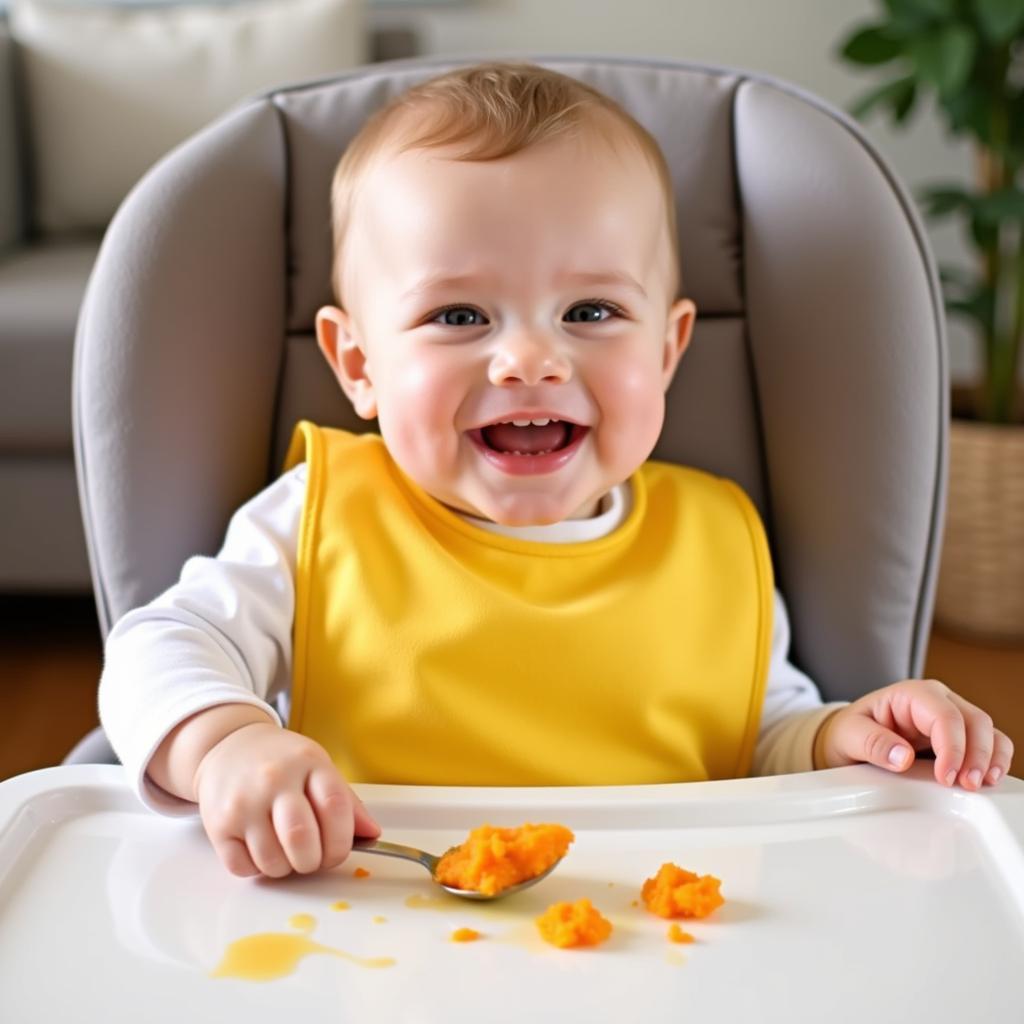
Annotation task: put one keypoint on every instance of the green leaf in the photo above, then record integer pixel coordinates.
(936, 8)
(944, 57)
(1000, 19)
(1006, 204)
(941, 200)
(904, 103)
(872, 45)
(976, 309)
(896, 95)
(977, 303)
(1016, 140)
(970, 110)
(956, 277)
(917, 12)
(984, 233)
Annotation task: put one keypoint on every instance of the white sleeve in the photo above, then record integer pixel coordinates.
(792, 709)
(220, 635)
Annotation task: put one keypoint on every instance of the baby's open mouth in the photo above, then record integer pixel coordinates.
(528, 437)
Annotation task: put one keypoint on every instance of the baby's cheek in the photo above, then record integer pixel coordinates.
(632, 414)
(420, 418)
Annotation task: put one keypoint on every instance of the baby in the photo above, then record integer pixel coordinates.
(500, 588)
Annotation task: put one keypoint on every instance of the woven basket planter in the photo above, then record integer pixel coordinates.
(981, 577)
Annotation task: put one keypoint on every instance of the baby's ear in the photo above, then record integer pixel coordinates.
(346, 356)
(681, 317)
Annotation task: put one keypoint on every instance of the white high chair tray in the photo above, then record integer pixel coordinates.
(852, 895)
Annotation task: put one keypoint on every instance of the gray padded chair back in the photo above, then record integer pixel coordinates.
(816, 377)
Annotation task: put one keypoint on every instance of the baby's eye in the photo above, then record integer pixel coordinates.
(591, 312)
(459, 316)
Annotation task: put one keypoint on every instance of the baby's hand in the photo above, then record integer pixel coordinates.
(272, 802)
(886, 728)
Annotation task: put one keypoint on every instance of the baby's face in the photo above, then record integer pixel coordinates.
(535, 287)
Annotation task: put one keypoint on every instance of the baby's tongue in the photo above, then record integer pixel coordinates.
(509, 438)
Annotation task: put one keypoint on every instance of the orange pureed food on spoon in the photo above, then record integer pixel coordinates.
(492, 859)
(676, 892)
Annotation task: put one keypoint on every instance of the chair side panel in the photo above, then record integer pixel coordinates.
(848, 348)
(177, 356)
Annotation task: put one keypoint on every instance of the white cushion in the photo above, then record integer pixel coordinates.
(112, 88)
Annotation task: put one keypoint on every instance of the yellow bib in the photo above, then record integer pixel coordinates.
(431, 651)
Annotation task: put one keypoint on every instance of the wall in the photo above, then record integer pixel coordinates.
(791, 39)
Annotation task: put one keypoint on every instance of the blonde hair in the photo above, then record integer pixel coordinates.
(486, 112)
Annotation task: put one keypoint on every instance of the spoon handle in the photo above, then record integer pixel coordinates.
(427, 860)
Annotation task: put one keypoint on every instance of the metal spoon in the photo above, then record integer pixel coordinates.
(430, 862)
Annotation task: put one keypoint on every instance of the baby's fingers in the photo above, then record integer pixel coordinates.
(297, 830)
(234, 855)
(331, 800)
(943, 717)
(1002, 756)
(266, 851)
(861, 738)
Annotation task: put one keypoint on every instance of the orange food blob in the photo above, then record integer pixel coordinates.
(573, 924)
(676, 934)
(492, 859)
(676, 892)
(465, 935)
(361, 873)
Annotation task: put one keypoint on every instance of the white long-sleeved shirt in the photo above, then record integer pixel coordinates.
(222, 634)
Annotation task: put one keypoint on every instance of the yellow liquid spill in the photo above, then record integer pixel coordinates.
(379, 919)
(272, 955)
(675, 958)
(341, 905)
(302, 922)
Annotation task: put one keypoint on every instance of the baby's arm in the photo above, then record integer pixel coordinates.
(220, 635)
(885, 727)
(188, 682)
(792, 710)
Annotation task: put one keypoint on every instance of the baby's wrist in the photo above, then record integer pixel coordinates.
(819, 754)
(219, 745)
(175, 765)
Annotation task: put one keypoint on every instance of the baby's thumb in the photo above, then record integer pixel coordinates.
(362, 822)
(864, 739)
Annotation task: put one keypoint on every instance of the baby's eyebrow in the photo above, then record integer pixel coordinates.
(456, 282)
(600, 277)
(579, 277)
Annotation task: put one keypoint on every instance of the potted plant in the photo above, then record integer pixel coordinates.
(969, 55)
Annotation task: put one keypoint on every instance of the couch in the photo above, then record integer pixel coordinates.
(91, 94)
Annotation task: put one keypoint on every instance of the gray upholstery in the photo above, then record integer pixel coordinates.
(42, 281)
(42, 545)
(42, 277)
(41, 289)
(817, 376)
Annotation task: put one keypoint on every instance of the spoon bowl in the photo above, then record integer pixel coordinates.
(430, 862)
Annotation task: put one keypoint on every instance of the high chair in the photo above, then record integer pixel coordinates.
(817, 377)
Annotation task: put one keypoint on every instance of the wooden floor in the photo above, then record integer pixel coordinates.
(50, 659)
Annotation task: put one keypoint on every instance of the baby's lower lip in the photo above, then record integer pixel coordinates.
(528, 465)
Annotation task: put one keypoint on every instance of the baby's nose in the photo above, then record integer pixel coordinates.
(529, 359)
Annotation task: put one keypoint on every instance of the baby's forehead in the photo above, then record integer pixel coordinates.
(525, 220)
(424, 195)
(419, 204)
(603, 166)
